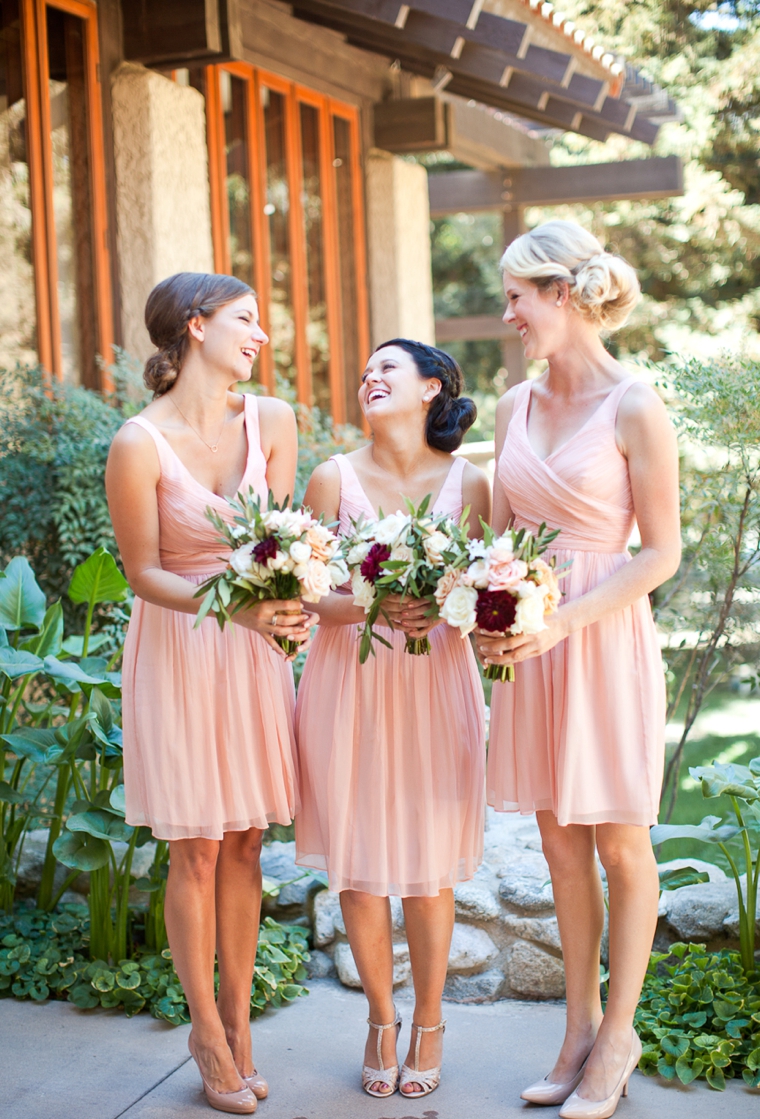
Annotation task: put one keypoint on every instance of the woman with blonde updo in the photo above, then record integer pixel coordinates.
(578, 738)
(208, 715)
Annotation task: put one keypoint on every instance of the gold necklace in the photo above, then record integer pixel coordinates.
(211, 446)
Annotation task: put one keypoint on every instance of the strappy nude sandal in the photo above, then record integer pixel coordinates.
(428, 1078)
(381, 1075)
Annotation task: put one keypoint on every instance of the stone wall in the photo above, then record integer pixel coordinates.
(162, 190)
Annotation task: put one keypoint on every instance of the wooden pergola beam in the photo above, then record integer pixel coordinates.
(455, 192)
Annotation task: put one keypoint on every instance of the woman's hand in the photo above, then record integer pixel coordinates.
(277, 618)
(411, 615)
(493, 648)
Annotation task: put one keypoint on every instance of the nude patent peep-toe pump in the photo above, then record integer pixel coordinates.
(428, 1078)
(241, 1102)
(548, 1093)
(381, 1075)
(576, 1107)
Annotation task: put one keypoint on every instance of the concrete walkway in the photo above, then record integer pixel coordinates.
(57, 1062)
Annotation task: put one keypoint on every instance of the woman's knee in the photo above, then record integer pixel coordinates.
(626, 852)
(570, 850)
(243, 846)
(194, 859)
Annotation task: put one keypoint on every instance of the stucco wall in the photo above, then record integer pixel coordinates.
(162, 192)
(398, 235)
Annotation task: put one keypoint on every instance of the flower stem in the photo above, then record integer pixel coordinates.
(501, 672)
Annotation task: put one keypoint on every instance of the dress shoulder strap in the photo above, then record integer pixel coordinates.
(450, 494)
(165, 455)
(252, 425)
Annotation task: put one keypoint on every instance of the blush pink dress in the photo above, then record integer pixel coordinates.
(208, 714)
(581, 731)
(391, 752)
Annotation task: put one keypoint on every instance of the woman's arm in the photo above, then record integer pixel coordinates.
(132, 475)
(645, 436)
(323, 498)
(279, 445)
(502, 513)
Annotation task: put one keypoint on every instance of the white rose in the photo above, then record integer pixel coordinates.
(316, 581)
(529, 616)
(281, 562)
(477, 575)
(459, 609)
(390, 528)
(338, 572)
(242, 561)
(300, 551)
(435, 545)
(364, 592)
(358, 553)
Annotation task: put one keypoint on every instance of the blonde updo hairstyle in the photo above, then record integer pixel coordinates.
(603, 287)
(170, 307)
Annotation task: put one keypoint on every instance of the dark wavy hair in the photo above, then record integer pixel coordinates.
(170, 306)
(450, 415)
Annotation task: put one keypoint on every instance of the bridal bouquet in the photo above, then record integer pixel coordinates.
(506, 588)
(277, 553)
(404, 554)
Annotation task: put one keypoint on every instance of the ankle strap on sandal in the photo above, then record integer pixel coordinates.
(380, 1030)
(424, 1030)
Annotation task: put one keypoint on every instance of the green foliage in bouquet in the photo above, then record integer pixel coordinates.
(740, 784)
(48, 955)
(699, 1017)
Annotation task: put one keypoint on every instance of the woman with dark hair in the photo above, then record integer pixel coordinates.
(208, 715)
(392, 752)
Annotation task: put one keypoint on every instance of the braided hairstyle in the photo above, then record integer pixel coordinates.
(170, 306)
(450, 415)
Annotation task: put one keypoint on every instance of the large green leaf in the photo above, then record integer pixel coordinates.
(98, 579)
(81, 851)
(49, 640)
(70, 674)
(74, 644)
(673, 879)
(728, 780)
(22, 603)
(17, 662)
(706, 831)
(100, 823)
(9, 795)
(30, 742)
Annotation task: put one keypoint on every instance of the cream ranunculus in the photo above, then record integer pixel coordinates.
(242, 561)
(390, 528)
(281, 562)
(300, 552)
(477, 575)
(531, 606)
(316, 581)
(459, 609)
(358, 553)
(364, 591)
(435, 545)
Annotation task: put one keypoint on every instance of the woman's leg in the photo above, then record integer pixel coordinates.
(370, 934)
(238, 906)
(429, 925)
(579, 903)
(627, 856)
(190, 915)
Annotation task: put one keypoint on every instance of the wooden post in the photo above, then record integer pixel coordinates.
(512, 352)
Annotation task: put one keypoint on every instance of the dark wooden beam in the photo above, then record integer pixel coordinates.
(455, 192)
(177, 32)
(413, 124)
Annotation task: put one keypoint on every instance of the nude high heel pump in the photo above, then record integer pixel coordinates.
(548, 1093)
(576, 1107)
(241, 1102)
(381, 1075)
(257, 1084)
(429, 1078)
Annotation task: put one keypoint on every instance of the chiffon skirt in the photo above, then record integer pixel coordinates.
(391, 758)
(208, 727)
(581, 731)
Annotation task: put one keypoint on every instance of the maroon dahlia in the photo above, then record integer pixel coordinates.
(370, 568)
(266, 549)
(495, 610)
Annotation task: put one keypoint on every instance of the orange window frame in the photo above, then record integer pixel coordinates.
(40, 155)
(327, 108)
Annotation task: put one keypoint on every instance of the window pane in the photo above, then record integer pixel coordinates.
(71, 196)
(277, 209)
(234, 105)
(18, 322)
(316, 329)
(352, 359)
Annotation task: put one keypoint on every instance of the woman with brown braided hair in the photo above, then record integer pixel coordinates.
(208, 715)
(392, 752)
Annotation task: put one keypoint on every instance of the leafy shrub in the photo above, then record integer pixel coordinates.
(46, 955)
(699, 1017)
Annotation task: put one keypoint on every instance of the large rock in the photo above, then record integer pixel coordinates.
(484, 987)
(527, 893)
(319, 965)
(470, 948)
(533, 973)
(699, 912)
(476, 902)
(541, 930)
(278, 861)
(349, 974)
(328, 918)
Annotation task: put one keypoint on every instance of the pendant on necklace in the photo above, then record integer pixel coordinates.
(215, 449)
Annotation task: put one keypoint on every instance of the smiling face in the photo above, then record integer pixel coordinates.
(232, 337)
(392, 386)
(541, 317)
